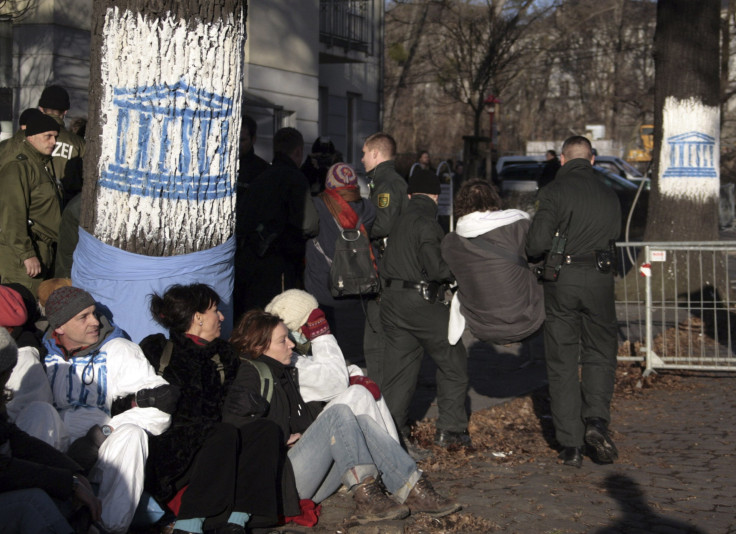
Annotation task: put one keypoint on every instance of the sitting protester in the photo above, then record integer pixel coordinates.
(335, 448)
(498, 297)
(231, 474)
(324, 376)
(32, 472)
(90, 364)
(28, 382)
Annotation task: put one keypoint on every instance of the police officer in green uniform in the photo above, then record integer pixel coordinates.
(581, 328)
(415, 316)
(69, 150)
(9, 147)
(30, 207)
(388, 194)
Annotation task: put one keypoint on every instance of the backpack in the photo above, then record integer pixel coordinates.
(352, 269)
(264, 372)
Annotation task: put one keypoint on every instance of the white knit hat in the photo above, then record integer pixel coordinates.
(293, 306)
(8, 351)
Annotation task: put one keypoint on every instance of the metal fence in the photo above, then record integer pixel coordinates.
(674, 305)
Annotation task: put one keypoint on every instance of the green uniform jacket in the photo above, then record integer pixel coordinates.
(9, 147)
(67, 160)
(388, 194)
(29, 192)
(414, 251)
(591, 207)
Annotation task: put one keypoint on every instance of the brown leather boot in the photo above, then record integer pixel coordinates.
(424, 498)
(371, 504)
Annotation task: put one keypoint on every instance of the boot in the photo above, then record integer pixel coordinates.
(599, 440)
(423, 498)
(371, 504)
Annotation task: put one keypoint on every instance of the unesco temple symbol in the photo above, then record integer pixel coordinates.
(691, 156)
(167, 117)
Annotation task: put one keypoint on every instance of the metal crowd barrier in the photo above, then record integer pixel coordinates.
(675, 305)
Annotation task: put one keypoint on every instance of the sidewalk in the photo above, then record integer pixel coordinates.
(676, 473)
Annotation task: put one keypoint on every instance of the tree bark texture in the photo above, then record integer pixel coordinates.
(684, 199)
(165, 107)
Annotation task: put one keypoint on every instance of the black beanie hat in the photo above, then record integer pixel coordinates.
(54, 97)
(424, 181)
(27, 114)
(40, 124)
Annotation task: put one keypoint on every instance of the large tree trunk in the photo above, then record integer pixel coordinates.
(684, 201)
(165, 105)
(683, 205)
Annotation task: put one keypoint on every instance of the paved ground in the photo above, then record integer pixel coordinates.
(676, 474)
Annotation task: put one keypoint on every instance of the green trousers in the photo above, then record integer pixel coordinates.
(13, 270)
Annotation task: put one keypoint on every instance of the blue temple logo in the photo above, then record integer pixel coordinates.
(691, 156)
(195, 121)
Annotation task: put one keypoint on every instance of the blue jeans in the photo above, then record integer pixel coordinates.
(340, 448)
(31, 511)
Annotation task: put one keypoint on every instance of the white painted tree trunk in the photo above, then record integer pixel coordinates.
(166, 91)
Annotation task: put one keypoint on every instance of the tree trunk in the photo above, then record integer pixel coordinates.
(165, 106)
(684, 197)
(683, 204)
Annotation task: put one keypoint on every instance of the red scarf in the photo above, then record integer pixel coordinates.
(336, 201)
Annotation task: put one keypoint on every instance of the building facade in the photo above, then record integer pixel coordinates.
(311, 64)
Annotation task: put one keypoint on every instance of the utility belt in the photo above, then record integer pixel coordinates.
(430, 291)
(602, 260)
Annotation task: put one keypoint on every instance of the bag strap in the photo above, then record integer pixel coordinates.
(266, 376)
(319, 248)
(513, 258)
(165, 357)
(220, 368)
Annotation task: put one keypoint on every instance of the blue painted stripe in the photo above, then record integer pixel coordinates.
(155, 185)
(690, 173)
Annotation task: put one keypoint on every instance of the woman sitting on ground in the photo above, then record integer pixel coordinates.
(232, 474)
(335, 448)
(324, 375)
(498, 295)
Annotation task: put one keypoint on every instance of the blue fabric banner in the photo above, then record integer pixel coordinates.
(123, 281)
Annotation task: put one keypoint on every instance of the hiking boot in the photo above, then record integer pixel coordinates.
(413, 449)
(423, 498)
(599, 441)
(448, 438)
(371, 504)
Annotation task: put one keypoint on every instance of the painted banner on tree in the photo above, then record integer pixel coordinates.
(690, 160)
(170, 110)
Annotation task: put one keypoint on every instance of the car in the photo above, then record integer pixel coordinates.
(518, 181)
(622, 168)
(612, 163)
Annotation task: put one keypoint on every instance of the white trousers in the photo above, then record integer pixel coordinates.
(361, 401)
(120, 467)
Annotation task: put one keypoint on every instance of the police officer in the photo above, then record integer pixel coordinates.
(69, 150)
(388, 194)
(30, 207)
(580, 329)
(415, 316)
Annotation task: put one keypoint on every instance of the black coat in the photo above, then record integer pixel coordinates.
(202, 396)
(34, 464)
(287, 408)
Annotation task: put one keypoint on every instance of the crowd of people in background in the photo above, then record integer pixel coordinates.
(259, 429)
